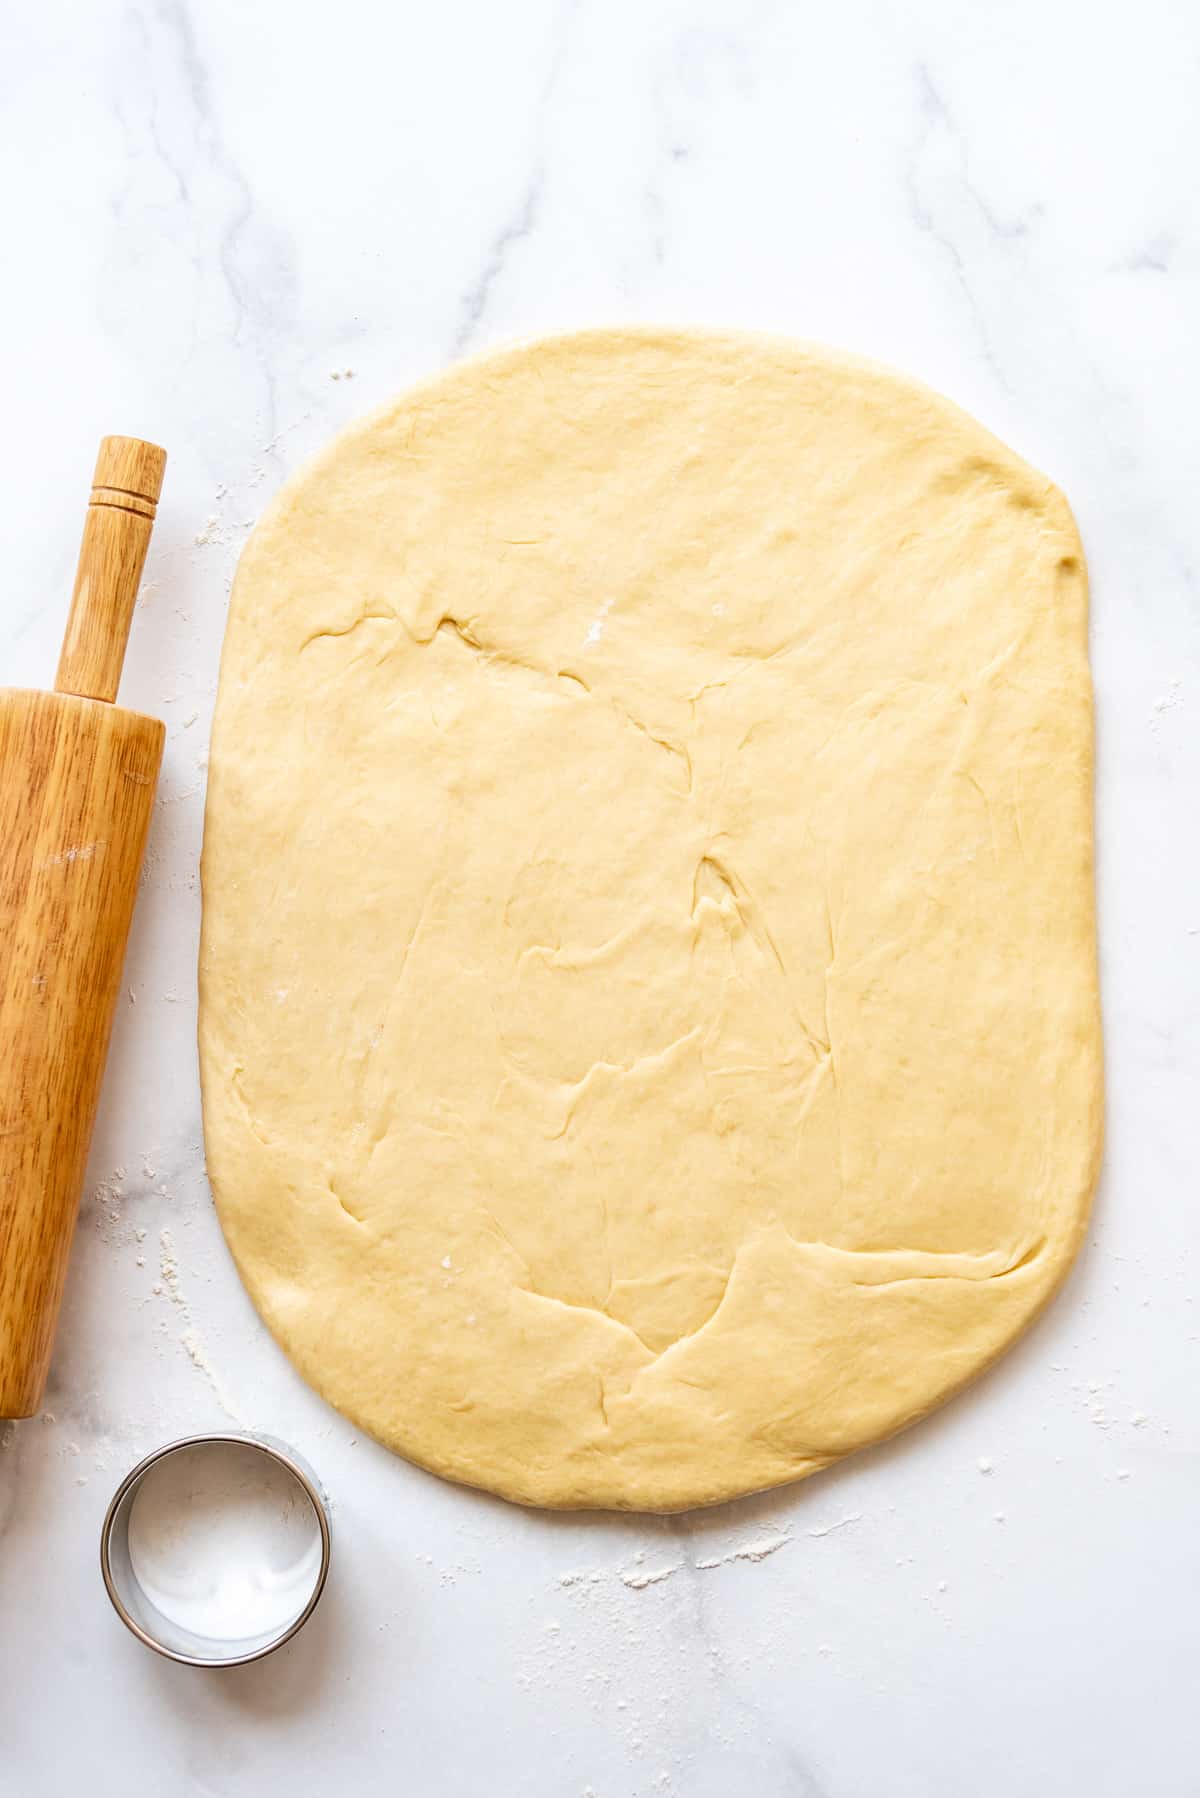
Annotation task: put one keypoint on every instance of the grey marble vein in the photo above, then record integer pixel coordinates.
(523, 218)
(928, 212)
(166, 105)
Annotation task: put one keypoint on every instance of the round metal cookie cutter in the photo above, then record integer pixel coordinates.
(137, 1609)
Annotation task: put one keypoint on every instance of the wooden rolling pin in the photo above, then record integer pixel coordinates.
(77, 780)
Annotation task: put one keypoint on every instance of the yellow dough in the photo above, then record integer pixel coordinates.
(649, 1025)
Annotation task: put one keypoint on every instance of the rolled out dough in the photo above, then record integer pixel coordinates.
(649, 1014)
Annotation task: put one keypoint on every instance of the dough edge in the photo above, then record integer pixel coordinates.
(548, 1490)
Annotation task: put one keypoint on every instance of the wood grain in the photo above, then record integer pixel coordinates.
(116, 535)
(77, 782)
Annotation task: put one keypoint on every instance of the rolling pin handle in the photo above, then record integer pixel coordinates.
(116, 535)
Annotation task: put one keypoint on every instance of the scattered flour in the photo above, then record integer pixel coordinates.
(1166, 702)
(78, 852)
(169, 1268)
(755, 1551)
(595, 629)
(190, 1340)
(200, 1361)
(637, 1579)
(842, 1524)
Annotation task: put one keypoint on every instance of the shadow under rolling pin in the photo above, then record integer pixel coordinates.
(77, 782)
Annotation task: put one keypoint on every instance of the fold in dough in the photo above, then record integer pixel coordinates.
(649, 1020)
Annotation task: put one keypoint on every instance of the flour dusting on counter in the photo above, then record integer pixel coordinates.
(637, 1578)
(190, 1339)
(842, 1523)
(752, 1551)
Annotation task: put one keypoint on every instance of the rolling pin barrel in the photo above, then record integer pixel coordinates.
(77, 783)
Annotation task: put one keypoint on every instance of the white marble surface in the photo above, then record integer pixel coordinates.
(213, 212)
